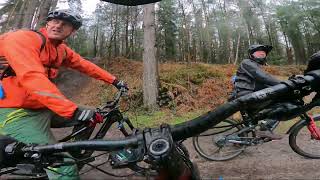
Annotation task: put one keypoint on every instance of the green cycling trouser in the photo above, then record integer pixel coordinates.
(33, 126)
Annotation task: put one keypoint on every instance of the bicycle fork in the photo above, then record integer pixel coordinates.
(312, 127)
(310, 123)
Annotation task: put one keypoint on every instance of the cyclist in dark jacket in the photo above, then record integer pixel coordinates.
(250, 78)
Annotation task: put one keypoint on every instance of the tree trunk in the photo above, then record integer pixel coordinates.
(29, 13)
(95, 39)
(10, 16)
(150, 70)
(133, 44)
(185, 40)
(116, 33)
(19, 16)
(128, 15)
(238, 46)
(288, 49)
(45, 7)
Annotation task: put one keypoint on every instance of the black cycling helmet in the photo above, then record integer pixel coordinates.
(314, 62)
(259, 47)
(67, 15)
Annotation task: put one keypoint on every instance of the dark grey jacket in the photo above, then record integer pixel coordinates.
(250, 78)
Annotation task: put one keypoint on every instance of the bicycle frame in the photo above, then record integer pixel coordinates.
(109, 119)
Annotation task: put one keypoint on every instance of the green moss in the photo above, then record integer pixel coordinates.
(160, 117)
(143, 120)
(195, 74)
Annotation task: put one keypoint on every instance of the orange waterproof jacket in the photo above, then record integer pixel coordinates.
(31, 87)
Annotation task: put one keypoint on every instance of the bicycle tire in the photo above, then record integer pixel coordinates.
(232, 125)
(195, 172)
(299, 141)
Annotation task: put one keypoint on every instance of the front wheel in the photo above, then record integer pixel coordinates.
(302, 142)
(214, 145)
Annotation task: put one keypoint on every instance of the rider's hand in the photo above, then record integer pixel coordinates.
(120, 84)
(86, 115)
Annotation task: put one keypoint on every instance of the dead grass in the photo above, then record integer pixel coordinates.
(196, 86)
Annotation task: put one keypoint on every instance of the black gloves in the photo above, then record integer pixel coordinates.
(87, 115)
(83, 114)
(120, 84)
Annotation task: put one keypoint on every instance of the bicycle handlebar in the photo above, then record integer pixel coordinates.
(99, 145)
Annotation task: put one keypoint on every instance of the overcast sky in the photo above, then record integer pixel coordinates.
(87, 5)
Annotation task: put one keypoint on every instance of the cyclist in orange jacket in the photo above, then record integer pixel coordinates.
(30, 61)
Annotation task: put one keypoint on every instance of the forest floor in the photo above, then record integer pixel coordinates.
(198, 88)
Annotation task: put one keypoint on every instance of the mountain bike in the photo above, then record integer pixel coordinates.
(231, 137)
(158, 147)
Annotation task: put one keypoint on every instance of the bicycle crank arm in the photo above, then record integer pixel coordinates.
(239, 142)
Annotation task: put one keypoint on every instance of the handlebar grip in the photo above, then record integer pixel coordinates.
(99, 145)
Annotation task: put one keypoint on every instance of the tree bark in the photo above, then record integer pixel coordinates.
(185, 40)
(237, 52)
(150, 70)
(288, 49)
(29, 13)
(19, 16)
(128, 15)
(11, 15)
(116, 33)
(45, 7)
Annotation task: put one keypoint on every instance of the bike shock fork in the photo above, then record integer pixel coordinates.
(312, 127)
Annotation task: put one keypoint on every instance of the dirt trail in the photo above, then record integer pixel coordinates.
(272, 160)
